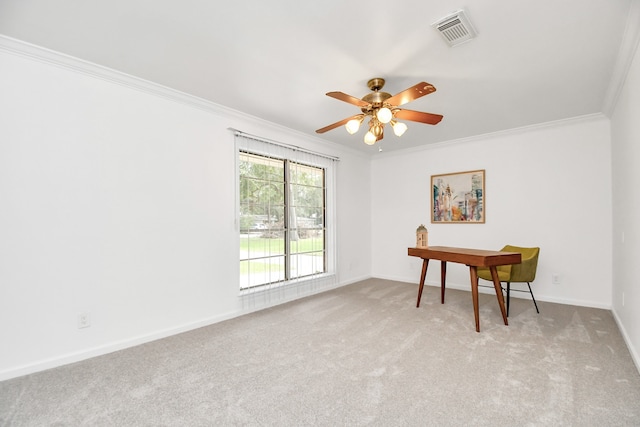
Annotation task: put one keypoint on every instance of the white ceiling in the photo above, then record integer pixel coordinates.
(534, 61)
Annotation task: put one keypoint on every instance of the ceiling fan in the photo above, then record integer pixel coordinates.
(382, 108)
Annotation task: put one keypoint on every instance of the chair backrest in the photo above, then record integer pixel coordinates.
(526, 270)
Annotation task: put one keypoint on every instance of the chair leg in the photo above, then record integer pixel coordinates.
(508, 296)
(532, 297)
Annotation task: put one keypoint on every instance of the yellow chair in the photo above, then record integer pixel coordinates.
(524, 272)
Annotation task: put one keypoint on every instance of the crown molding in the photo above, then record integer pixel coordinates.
(491, 135)
(57, 59)
(624, 59)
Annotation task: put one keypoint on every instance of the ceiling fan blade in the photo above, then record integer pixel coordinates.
(338, 124)
(348, 98)
(408, 95)
(418, 116)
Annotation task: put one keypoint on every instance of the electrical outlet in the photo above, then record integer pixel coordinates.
(555, 279)
(84, 321)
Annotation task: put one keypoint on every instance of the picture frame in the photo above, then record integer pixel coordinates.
(458, 198)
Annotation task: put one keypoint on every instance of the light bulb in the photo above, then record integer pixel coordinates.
(369, 138)
(353, 126)
(398, 128)
(384, 115)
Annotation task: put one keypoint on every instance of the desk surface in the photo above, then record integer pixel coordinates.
(471, 257)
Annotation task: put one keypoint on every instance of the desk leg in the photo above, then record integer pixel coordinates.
(425, 264)
(473, 270)
(496, 284)
(443, 277)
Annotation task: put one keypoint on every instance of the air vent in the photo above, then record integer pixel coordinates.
(455, 28)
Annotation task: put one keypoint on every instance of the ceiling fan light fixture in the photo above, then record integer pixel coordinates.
(399, 128)
(370, 138)
(384, 115)
(353, 125)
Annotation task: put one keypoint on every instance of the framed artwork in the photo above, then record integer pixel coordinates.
(458, 198)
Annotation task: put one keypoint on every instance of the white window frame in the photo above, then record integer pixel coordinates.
(262, 147)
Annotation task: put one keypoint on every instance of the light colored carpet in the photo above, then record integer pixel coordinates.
(359, 355)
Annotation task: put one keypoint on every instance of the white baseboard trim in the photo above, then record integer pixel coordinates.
(634, 353)
(483, 289)
(101, 350)
(78, 356)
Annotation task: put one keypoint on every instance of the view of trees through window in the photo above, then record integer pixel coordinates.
(282, 220)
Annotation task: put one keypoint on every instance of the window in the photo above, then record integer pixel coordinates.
(283, 215)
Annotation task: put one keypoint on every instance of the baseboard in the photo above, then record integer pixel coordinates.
(634, 353)
(489, 290)
(101, 350)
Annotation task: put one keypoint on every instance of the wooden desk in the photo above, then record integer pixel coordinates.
(474, 258)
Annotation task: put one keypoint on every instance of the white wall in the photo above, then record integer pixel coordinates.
(548, 187)
(625, 131)
(119, 201)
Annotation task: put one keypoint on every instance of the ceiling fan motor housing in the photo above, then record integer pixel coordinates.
(376, 98)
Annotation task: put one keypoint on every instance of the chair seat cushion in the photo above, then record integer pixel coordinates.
(485, 273)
